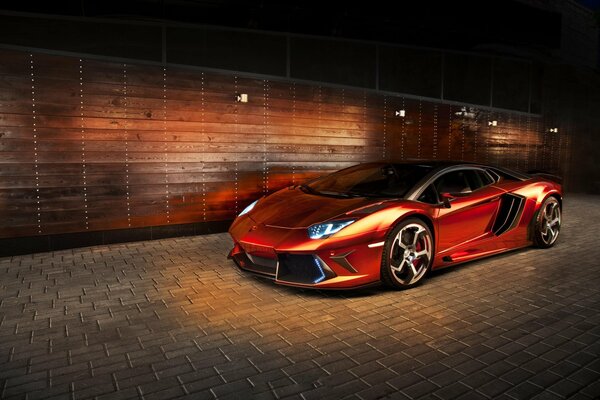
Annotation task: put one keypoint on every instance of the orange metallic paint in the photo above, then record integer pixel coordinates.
(278, 224)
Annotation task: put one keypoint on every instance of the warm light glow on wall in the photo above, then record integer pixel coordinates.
(117, 146)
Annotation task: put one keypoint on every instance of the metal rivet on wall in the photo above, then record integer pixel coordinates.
(527, 140)
(563, 140)
(476, 135)
(83, 156)
(384, 126)
(544, 149)
(203, 131)
(435, 130)
(402, 131)
(343, 104)
(319, 115)
(487, 141)
(554, 148)
(462, 138)
(293, 127)
(497, 152)
(364, 129)
(265, 126)
(126, 135)
(518, 140)
(35, 145)
(509, 130)
(235, 168)
(534, 141)
(547, 150)
(450, 132)
(166, 146)
(419, 129)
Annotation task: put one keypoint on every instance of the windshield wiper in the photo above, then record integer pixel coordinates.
(336, 194)
(363, 194)
(307, 189)
(345, 195)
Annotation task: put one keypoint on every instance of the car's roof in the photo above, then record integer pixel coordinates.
(434, 164)
(438, 167)
(443, 164)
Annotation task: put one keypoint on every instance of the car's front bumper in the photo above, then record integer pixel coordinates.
(289, 257)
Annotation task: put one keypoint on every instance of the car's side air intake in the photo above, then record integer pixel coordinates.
(511, 206)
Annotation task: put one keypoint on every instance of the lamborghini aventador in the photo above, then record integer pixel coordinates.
(393, 223)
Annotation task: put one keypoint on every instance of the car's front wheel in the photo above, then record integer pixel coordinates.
(407, 254)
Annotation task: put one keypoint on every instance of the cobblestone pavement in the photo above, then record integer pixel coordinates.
(172, 318)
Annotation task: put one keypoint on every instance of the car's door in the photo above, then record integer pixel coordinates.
(471, 210)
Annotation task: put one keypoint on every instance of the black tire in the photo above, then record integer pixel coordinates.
(546, 224)
(401, 275)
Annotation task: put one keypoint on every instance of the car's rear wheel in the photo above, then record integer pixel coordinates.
(407, 254)
(547, 223)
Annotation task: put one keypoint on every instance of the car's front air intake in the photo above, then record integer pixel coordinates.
(303, 269)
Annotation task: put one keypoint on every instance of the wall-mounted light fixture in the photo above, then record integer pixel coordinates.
(493, 123)
(465, 112)
(241, 97)
(401, 113)
(553, 130)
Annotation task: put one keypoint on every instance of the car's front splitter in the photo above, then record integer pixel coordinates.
(337, 268)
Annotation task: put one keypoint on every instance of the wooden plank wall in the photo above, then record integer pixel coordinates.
(87, 145)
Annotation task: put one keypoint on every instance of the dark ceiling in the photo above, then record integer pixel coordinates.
(458, 24)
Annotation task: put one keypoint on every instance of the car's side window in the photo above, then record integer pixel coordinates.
(485, 178)
(495, 176)
(453, 182)
(429, 196)
(462, 181)
(474, 179)
(478, 179)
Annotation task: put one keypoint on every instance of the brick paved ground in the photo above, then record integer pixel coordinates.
(170, 318)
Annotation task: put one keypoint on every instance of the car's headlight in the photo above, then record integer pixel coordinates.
(248, 208)
(324, 230)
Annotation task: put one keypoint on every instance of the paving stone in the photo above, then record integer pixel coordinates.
(378, 391)
(516, 376)
(204, 385)
(419, 389)
(537, 364)
(174, 318)
(469, 367)
(565, 388)
(545, 379)
(447, 377)
(375, 376)
(523, 391)
(499, 368)
(404, 381)
(585, 376)
(493, 389)
(592, 389)
(472, 395)
(336, 379)
(451, 391)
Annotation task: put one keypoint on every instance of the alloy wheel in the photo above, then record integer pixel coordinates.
(550, 222)
(410, 254)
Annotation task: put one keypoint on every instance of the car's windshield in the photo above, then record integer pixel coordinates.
(370, 180)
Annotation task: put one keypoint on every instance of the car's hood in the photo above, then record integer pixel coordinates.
(293, 208)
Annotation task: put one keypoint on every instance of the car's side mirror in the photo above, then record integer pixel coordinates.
(446, 199)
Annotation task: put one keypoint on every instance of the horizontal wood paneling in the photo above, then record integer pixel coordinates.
(87, 145)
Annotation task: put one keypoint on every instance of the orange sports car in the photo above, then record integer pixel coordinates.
(393, 223)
